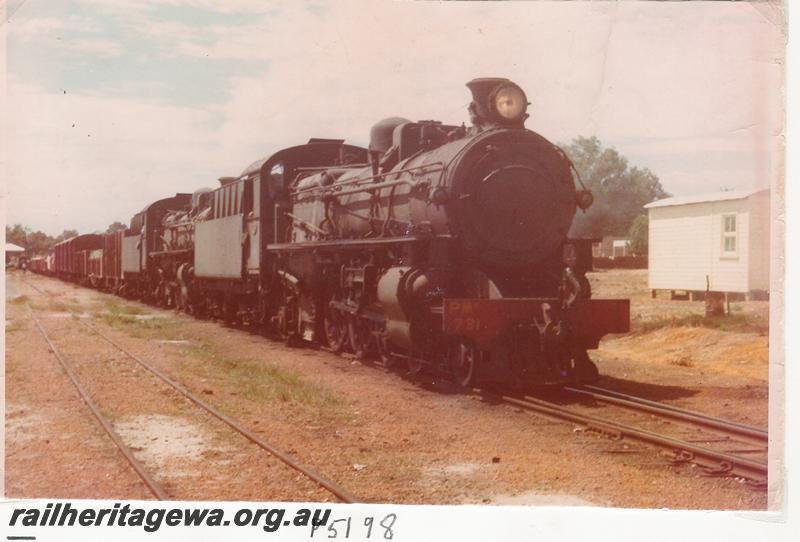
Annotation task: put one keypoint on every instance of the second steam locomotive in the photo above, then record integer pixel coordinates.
(438, 245)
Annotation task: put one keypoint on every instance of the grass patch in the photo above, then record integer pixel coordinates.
(201, 351)
(683, 361)
(157, 327)
(266, 382)
(737, 322)
(115, 306)
(15, 325)
(56, 305)
(402, 467)
(135, 320)
(263, 382)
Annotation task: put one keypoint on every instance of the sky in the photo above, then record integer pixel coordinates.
(112, 104)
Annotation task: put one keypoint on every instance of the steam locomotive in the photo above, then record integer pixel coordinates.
(439, 246)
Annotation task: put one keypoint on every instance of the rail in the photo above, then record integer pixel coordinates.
(323, 482)
(715, 461)
(148, 480)
(670, 411)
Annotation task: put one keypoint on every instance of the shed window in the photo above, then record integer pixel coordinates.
(729, 244)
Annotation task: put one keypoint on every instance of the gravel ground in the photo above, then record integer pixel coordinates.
(384, 437)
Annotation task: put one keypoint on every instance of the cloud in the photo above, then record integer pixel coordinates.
(37, 27)
(33, 28)
(615, 71)
(689, 90)
(77, 35)
(95, 46)
(76, 160)
(127, 7)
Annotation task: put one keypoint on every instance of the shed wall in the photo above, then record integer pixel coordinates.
(730, 273)
(686, 247)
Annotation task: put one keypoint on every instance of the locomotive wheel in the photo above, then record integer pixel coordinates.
(288, 318)
(199, 310)
(414, 366)
(463, 362)
(336, 328)
(230, 312)
(387, 357)
(586, 370)
(173, 299)
(362, 341)
(155, 296)
(414, 362)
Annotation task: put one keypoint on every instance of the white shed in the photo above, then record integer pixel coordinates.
(13, 252)
(717, 242)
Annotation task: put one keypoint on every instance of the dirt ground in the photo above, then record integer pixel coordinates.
(721, 368)
(381, 435)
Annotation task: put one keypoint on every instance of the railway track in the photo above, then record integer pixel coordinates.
(147, 478)
(645, 405)
(721, 447)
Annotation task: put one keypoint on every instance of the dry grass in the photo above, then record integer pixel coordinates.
(648, 315)
(15, 325)
(67, 305)
(117, 306)
(135, 320)
(157, 327)
(683, 361)
(261, 381)
(737, 323)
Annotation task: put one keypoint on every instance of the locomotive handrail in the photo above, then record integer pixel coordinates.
(324, 168)
(371, 177)
(348, 243)
(172, 251)
(378, 186)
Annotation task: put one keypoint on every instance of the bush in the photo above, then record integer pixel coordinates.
(638, 235)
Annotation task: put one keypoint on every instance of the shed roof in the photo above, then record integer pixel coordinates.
(704, 198)
(11, 247)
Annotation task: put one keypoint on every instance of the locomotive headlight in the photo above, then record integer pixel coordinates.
(509, 102)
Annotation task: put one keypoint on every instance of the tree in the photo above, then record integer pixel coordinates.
(116, 226)
(34, 242)
(66, 234)
(620, 191)
(39, 243)
(638, 235)
(18, 235)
